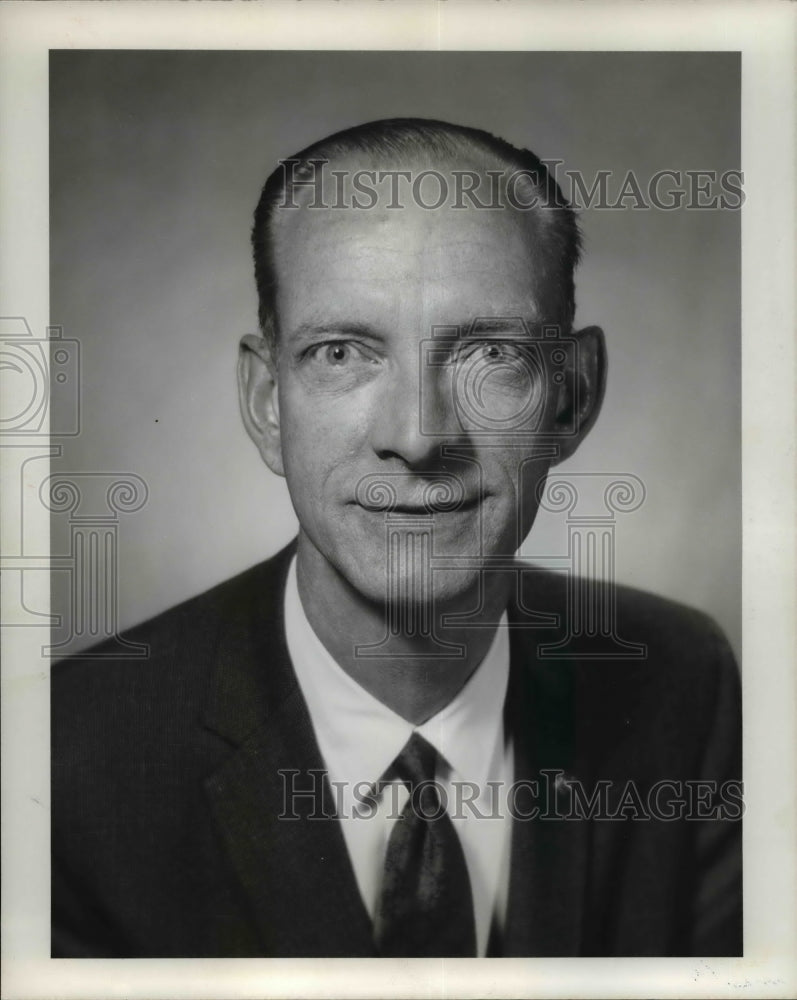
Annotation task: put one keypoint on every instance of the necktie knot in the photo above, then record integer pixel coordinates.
(416, 762)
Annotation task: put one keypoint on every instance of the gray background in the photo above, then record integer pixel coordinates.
(157, 159)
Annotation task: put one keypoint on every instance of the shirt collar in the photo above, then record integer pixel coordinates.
(359, 737)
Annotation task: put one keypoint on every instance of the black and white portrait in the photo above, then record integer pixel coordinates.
(398, 721)
(395, 529)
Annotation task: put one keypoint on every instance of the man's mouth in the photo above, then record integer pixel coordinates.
(415, 495)
(424, 508)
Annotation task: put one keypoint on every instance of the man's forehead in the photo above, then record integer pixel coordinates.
(326, 238)
(446, 237)
(450, 282)
(446, 244)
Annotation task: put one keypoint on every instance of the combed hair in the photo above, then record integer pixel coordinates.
(400, 139)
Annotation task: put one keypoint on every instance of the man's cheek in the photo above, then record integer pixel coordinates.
(501, 472)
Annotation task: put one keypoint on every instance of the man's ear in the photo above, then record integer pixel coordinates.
(582, 392)
(257, 393)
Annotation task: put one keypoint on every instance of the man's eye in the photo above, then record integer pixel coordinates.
(337, 354)
(496, 352)
(491, 351)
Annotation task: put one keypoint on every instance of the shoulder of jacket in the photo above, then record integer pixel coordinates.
(181, 635)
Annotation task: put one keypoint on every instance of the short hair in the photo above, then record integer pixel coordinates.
(400, 139)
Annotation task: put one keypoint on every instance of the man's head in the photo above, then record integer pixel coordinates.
(417, 358)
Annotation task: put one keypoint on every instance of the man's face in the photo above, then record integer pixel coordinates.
(364, 398)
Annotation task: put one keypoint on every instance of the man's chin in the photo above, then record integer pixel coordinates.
(418, 590)
(396, 561)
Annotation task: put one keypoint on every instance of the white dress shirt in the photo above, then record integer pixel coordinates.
(359, 737)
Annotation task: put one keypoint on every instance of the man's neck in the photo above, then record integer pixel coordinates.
(415, 673)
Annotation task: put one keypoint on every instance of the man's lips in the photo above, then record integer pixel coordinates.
(422, 508)
(415, 495)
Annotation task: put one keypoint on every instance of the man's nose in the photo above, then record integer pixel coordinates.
(415, 416)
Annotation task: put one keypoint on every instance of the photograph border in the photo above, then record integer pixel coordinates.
(765, 37)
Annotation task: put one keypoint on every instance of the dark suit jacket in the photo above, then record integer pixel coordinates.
(166, 792)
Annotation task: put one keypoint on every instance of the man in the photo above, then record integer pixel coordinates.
(364, 747)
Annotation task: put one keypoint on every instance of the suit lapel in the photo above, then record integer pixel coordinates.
(548, 859)
(286, 849)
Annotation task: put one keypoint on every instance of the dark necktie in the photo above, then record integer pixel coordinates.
(425, 908)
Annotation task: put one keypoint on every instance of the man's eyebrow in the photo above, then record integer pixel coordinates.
(350, 327)
(499, 326)
(474, 327)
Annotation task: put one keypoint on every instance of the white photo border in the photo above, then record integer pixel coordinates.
(764, 34)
